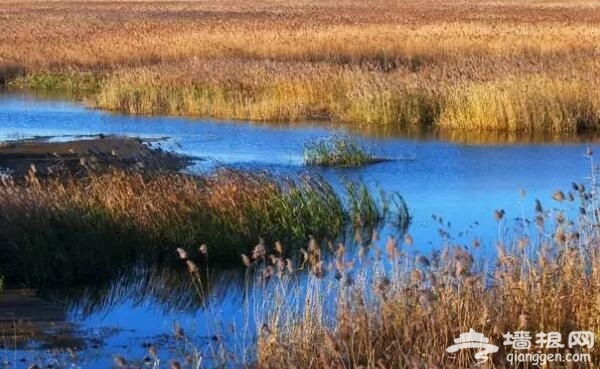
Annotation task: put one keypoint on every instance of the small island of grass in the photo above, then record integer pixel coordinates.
(338, 151)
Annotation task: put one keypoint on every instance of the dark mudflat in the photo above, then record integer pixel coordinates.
(24, 316)
(23, 305)
(97, 153)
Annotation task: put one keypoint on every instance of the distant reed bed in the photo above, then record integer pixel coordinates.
(529, 103)
(277, 91)
(526, 66)
(66, 230)
(526, 104)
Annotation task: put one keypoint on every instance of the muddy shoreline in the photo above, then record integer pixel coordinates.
(82, 155)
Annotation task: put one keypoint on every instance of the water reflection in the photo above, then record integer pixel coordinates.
(167, 286)
(470, 137)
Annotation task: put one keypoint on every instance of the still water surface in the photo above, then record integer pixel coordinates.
(460, 182)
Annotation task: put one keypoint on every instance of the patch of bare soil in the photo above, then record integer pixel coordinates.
(84, 155)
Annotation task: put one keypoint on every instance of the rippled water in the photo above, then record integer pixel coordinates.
(460, 182)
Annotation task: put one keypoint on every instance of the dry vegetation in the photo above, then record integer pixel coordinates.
(395, 310)
(504, 65)
(389, 305)
(70, 230)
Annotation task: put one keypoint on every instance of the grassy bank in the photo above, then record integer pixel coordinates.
(523, 66)
(527, 104)
(63, 231)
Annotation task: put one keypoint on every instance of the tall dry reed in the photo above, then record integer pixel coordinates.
(65, 230)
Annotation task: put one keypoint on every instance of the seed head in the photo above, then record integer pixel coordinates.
(120, 361)
(182, 253)
(258, 252)
(192, 267)
(558, 196)
(279, 247)
(560, 237)
(390, 247)
(498, 214)
(341, 250)
(153, 353)
(246, 260)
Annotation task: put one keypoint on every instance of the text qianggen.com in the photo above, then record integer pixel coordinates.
(541, 359)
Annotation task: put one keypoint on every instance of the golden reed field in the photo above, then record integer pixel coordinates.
(507, 65)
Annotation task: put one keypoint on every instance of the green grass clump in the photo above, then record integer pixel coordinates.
(366, 210)
(72, 82)
(337, 151)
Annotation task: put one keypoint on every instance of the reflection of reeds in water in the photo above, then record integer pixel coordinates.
(70, 230)
(164, 287)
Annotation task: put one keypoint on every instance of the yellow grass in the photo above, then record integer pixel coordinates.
(382, 62)
(394, 310)
(525, 104)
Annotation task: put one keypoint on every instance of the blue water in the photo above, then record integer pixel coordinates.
(461, 183)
